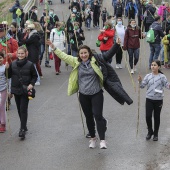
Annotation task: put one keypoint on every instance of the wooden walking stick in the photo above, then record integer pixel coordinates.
(139, 69)
(46, 22)
(7, 102)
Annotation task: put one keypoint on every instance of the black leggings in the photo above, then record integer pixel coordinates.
(22, 107)
(119, 56)
(92, 106)
(153, 106)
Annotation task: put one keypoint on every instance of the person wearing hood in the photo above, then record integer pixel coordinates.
(155, 47)
(32, 43)
(132, 43)
(13, 10)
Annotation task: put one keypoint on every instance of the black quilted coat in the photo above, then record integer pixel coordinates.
(112, 82)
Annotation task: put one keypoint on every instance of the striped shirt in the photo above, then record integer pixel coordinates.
(3, 82)
(155, 85)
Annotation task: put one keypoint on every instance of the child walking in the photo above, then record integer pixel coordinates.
(155, 82)
(3, 95)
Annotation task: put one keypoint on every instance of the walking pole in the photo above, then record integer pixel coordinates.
(6, 51)
(65, 26)
(134, 86)
(81, 114)
(138, 115)
(46, 21)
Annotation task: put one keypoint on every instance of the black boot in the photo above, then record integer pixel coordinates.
(47, 65)
(22, 133)
(149, 135)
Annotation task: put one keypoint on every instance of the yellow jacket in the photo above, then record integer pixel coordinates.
(73, 79)
(166, 44)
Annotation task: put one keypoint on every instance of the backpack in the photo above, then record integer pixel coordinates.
(150, 36)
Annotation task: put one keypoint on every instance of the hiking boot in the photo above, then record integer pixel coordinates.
(47, 65)
(155, 138)
(92, 142)
(22, 133)
(149, 135)
(103, 144)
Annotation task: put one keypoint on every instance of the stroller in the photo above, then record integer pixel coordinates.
(50, 2)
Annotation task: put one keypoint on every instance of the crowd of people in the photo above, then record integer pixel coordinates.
(25, 42)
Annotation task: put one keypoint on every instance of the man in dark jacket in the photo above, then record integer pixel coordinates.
(141, 10)
(14, 9)
(150, 12)
(166, 25)
(118, 9)
(155, 47)
(32, 44)
(32, 14)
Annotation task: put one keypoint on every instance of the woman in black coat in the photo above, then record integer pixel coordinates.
(32, 43)
(23, 77)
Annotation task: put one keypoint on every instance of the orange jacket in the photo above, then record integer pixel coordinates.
(12, 47)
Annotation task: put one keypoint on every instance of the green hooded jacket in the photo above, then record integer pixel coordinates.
(73, 79)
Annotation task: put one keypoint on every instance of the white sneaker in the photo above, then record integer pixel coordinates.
(103, 144)
(132, 71)
(92, 142)
(120, 66)
(117, 65)
(37, 83)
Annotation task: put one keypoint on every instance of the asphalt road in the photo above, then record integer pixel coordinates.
(55, 139)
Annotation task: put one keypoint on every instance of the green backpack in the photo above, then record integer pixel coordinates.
(150, 36)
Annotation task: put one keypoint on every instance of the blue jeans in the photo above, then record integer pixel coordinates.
(133, 56)
(42, 54)
(88, 22)
(154, 52)
(74, 53)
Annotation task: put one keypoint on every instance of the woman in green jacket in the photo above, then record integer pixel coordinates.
(87, 78)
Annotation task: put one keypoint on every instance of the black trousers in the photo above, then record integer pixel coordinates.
(22, 107)
(92, 106)
(119, 56)
(147, 25)
(153, 107)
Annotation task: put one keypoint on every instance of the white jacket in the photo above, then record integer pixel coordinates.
(57, 40)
